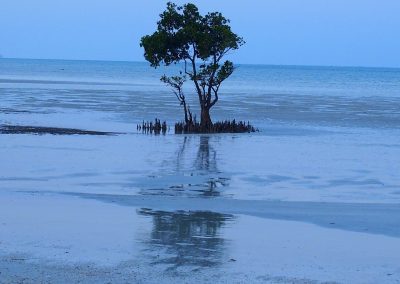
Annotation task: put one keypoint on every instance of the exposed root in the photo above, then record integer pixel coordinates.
(218, 127)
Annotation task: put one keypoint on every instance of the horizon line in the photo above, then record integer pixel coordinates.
(252, 64)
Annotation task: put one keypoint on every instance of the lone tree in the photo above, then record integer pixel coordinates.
(200, 42)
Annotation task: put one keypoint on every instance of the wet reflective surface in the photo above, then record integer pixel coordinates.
(73, 239)
(295, 168)
(313, 197)
(186, 239)
(327, 134)
(192, 171)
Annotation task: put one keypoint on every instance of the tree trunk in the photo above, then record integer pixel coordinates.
(186, 112)
(205, 118)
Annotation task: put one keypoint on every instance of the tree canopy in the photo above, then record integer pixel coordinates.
(201, 42)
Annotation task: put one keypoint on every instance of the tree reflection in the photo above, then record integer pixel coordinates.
(206, 159)
(193, 171)
(186, 239)
(205, 164)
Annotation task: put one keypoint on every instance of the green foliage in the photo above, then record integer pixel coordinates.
(201, 42)
(176, 82)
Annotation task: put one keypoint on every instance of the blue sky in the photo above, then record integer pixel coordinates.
(294, 32)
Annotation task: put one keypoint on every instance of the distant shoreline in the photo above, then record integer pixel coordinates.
(278, 66)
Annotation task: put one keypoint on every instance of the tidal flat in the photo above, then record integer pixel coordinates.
(314, 197)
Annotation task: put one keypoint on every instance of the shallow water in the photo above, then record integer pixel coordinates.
(54, 235)
(266, 95)
(292, 199)
(320, 167)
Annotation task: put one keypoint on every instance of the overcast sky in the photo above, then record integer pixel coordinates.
(294, 32)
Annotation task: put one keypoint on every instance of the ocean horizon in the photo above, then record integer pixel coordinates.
(236, 63)
(276, 94)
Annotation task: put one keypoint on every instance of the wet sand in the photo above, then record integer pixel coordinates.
(41, 130)
(73, 239)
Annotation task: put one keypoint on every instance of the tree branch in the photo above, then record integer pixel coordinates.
(211, 79)
(194, 76)
(215, 97)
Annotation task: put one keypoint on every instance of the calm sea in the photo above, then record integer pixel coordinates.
(289, 95)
